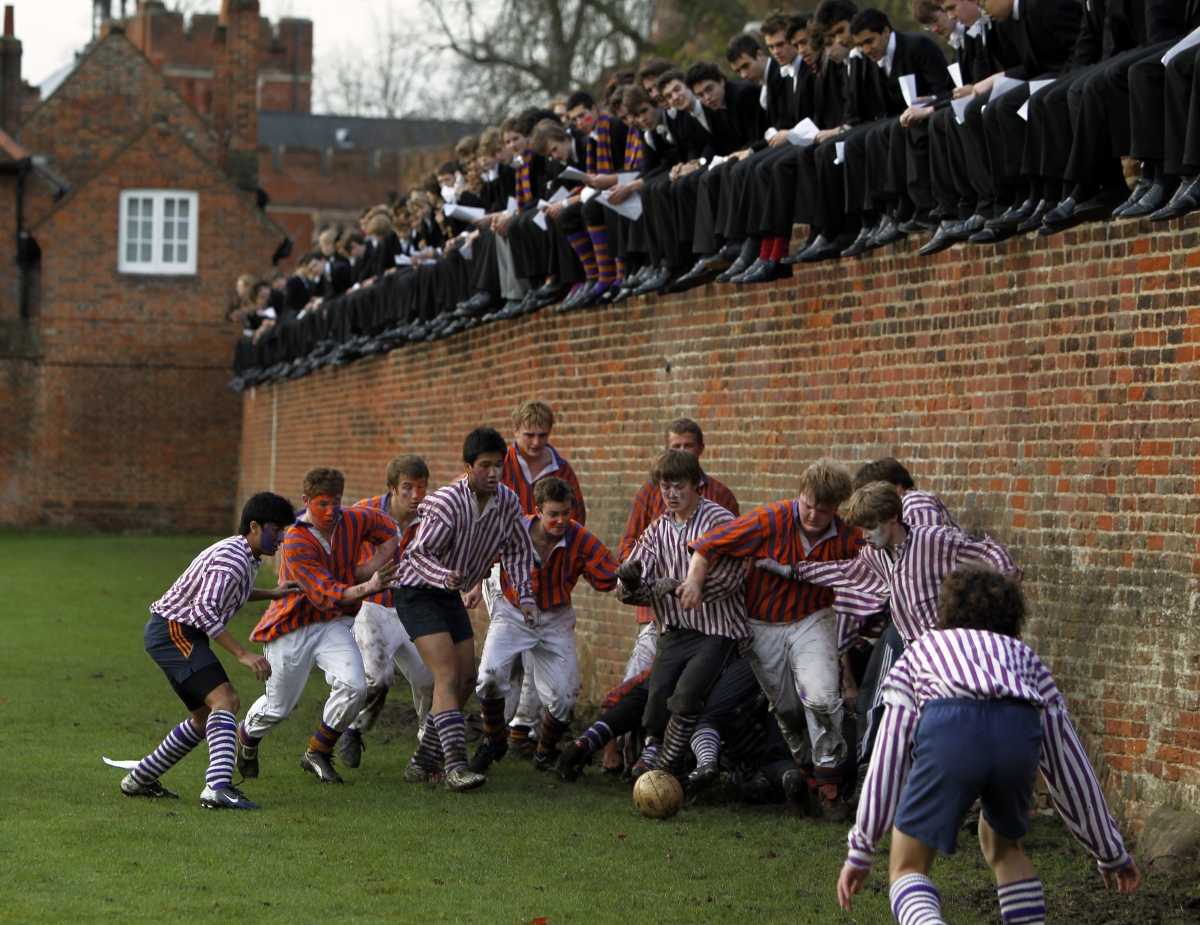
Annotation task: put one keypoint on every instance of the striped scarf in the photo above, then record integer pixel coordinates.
(600, 159)
(524, 183)
(633, 150)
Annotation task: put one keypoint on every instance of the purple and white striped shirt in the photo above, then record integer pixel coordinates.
(979, 665)
(664, 549)
(925, 509)
(453, 536)
(912, 581)
(215, 586)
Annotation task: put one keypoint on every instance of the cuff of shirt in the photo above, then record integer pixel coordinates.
(859, 859)
(215, 630)
(527, 600)
(1109, 867)
(770, 133)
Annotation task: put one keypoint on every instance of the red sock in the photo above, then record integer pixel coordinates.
(781, 248)
(764, 252)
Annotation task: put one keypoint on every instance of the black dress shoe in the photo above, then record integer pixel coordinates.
(1139, 190)
(769, 272)
(824, 249)
(737, 268)
(992, 235)
(1185, 200)
(798, 256)
(1155, 198)
(509, 310)
(919, 224)
(655, 281)
(753, 267)
(1100, 207)
(1014, 216)
(940, 241)
(553, 295)
(1034, 222)
(477, 304)
(861, 244)
(724, 258)
(887, 232)
(699, 275)
(668, 282)
(1060, 218)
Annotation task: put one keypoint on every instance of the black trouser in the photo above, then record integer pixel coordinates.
(1052, 117)
(909, 174)
(686, 667)
(1005, 131)
(733, 700)
(979, 169)
(656, 220)
(742, 199)
(949, 181)
(626, 714)
(485, 268)
(1177, 140)
(772, 209)
(840, 188)
(705, 237)
(684, 193)
(869, 706)
(565, 265)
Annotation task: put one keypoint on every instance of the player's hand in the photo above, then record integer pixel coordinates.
(665, 586)
(849, 694)
(454, 581)
(256, 663)
(779, 138)
(1128, 878)
(629, 573)
(382, 578)
(826, 134)
(530, 614)
(689, 594)
(283, 589)
(472, 598)
(775, 568)
(620, 193)
(964, 90)
(850, 882)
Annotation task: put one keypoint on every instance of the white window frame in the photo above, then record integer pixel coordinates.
(160, 245)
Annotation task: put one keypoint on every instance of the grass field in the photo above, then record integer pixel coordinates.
(75, 684)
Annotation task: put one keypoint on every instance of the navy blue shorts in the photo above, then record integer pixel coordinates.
(186, 658)
(966, 749)
(425, 611)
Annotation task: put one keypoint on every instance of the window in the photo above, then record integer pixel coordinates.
(158, 232)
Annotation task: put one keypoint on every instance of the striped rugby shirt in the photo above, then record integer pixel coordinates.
(324, 572)
(516, 475)
(452, 535)
(925, 509)
(911, 583)
(367, 551)
(215, 586)
(664, 550)
(579, 554)
(649, 504)
(978, 665)
(773, 532)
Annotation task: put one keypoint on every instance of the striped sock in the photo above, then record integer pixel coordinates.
(706, 745)
(221, 732)
(828, 777)
(581, 243)
(767, 248)
(607, 266)
(552, 731)
(620, 271)
(916, 901)
(780, 248)
(453, 733)
(246, 739)
(179, 741)
(324, 739)
(493, 717)
(519, 735)
(675, 740)
(429, 751)
(1022, 902)
(597, 736)
(649, 756)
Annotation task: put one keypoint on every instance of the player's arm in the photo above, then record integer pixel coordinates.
(280, 591)
(636, 524)
(599, 565)
(256, 663)
(516, 558)
(425, 551)
(384, 553)
(723, 546)
(327, 593)
(637, 574)
(986, 553)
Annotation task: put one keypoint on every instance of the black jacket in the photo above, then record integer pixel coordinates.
(660, 152)
(1045, 37)
(737, 124)
(877, 94)
(693, 138)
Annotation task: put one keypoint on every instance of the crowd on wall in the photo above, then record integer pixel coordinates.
(678, 177)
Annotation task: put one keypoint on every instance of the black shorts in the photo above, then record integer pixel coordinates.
(186, 658)
(425, 611)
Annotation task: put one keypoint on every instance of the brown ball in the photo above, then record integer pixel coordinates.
(657, 795)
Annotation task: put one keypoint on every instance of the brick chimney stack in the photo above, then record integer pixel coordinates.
(235, 88)
(10, 76)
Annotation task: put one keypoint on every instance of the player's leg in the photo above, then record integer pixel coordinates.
(222, 705)
(728, 708)
(1018, 887)
(812, 654)
(915, 900)
(768, 659)
(556, 674)
(408, 661)
(675, 650)
(378, 634)
(291, 658)
(687, 701)
(622, 716)
(526, 707)
(336, 654)
(506, 640)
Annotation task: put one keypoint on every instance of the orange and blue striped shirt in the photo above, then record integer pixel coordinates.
(516, 475)
(579, 554)
(324, 573)
(367, 551)
(773, 532)
(648, 507)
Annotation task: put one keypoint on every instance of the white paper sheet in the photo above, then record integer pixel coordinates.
(908, 87)
(574, 173)
(1191, 40)
(955, 73)
(1034, 87)
(561, 193)
(716, 162)
(631, 208)
(803, 134)
(539, 217)
(464, 213)
(589, 193)
(1002, 85)
(960, 108)
(511, 205)
(840, 151)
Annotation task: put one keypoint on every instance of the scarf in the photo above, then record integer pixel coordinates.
(633, 150)
(524, 183)
(600, 159)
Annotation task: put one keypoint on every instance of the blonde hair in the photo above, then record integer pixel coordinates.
(328, 236)
(873, 505)
(379, 224)
(827, 482)
(536, 412)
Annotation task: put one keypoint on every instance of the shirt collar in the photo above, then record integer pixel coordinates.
(561, 544)
(829, 534)
(886, 61)
(555, 465)
(1016, 9)
(956, 37)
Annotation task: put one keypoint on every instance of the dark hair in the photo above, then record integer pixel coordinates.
(306, 259)
(264, 508)
(831, 12)
(483, 440)
(447, 167)
(741, 44)
(676, 466)
(775, 21)
(580, 98)
(667, 76)
(869, 20)
(655, 68)
(321, 480)
(408, 465)
(546, 133)
(978, 598)
(554, 489)
(634, 98)
(796, 23)
(702, 71)
(531, 117)
(686, 426)
(884, 470)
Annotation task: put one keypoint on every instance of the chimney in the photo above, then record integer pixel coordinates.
(241, 21)
(10, 77)
(219, 113)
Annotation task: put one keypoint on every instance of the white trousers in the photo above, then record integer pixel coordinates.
(522, 707)
(385, 646)
(797, 665)
(551, 649)
(331, 647)
(645, 646)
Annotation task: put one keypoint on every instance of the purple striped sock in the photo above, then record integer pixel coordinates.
(606, 264)
(597, 736)
(324, 739)
(1022, 902)
(248, 740)
(429, 752)
(493, 718)
(706, 746)
(582, 245)
(174, 748)
(916, 901)
(675, 741)
(552, 730)
(453, 732)
(221, 732)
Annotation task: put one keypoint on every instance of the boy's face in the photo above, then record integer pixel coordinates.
(677, 94)
(324, 510)
(879, 535)
(963, 11)
(999, 10)
(266, 537)
(688, 442)
(942, 25)
(748, 68)
(410, 491)
(584, 117)
(561, 150)
(803, 45)
(484, 473)
(446, 179)
(815, 518)
(555, 516)
(531, 439)
(650, 85)
(783, 51)
(516, 142)
(679, 494)
(648, 116)
(711, 93)
(873, 44)
(839, 41)
(316, 268)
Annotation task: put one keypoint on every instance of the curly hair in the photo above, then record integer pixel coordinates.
(981, 599)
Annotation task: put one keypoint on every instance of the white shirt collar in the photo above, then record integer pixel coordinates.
(886, 61)
(956, 37)
(553, 467)
(1016, 9)
(980, 27)
(700, 115)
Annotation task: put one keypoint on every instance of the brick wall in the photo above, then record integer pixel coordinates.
(1047, 392)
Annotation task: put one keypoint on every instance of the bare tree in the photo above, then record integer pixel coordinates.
(384, 83)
